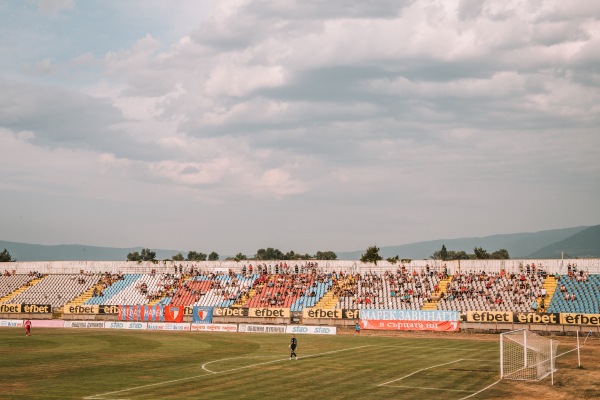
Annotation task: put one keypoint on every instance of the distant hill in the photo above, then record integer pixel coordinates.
(75, 252)
(519, 245)
(580, 241)
(584, 244)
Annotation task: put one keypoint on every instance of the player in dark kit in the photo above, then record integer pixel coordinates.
(293, 345)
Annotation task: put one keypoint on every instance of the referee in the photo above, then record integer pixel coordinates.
(293, 345)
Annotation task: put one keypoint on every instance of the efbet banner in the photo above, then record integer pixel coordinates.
(141, 313)
(202, 315)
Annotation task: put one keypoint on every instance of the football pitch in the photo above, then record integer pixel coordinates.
(111, 365)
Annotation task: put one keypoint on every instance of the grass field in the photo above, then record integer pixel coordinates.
(110, 365)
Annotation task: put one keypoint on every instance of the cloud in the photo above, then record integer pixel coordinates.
(395, 112)
(55, 7)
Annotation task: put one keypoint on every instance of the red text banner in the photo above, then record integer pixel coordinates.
(409, 325)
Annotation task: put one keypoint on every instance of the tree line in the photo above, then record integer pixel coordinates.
(269, 253)
(371, 255)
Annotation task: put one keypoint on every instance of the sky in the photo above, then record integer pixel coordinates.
(301, 125)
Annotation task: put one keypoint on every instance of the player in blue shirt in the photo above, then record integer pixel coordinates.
(293, 345)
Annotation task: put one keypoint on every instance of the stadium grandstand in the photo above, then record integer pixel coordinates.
(542, 286)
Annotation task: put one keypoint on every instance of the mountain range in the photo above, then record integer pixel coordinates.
(577, 242)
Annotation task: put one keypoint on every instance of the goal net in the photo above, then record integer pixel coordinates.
(525, 355)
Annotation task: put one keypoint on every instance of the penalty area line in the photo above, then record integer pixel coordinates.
(422, 369)
(428, 388)
(278, 360)
(212, 373)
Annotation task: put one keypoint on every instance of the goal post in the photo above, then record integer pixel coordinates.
(525, 355)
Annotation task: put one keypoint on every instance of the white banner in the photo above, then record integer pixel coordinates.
(168, 326)
(214, 327)
(311, 329)
(84, 324)
(126, 325)
(262, 328)
(14, 323)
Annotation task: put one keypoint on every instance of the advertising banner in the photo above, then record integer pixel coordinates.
(125, 325)
(108, 309)
(173, 313)
(580, 319)
(337, 313)
(214, 327)
(409, 315)
(251, 328)
(13, 323)
(409, 325)
(10, 308)
(25, 308)
(81, 309)
(230, 312)
(84, 324)
(151, 313)
(311, 330)
(516, 317)
(202, 315)
(269, 312)
(47, 323)
(168, 326)
(489, 316)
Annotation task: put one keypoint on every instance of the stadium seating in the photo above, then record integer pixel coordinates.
(578, 296)
(56, 290)
(401, 289)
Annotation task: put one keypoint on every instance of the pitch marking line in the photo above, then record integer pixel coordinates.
(485, 388)
(439, 348)
(102, 395)
(428, 388)
(422, 369)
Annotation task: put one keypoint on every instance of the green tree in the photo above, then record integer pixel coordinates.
(269, 254)
(196, 256)
(178, 257)
(481, 254)
(501, 254)
(240, 257)
(135, 256)
(440, 254)
(371, 255)
(148, 255)
(393, 260)
(6, 257)
(326, 255)
(213, 256)
(457, 255)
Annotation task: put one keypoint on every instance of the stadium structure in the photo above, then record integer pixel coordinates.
(495, 295)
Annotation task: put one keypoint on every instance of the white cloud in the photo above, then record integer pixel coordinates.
(55, 7)
(404, 109)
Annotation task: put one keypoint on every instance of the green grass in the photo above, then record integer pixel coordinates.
(110, 364)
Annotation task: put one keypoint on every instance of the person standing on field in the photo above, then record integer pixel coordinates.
(27, 325)
(293, 345)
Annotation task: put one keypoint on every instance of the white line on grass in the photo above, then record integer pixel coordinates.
(498, 381)
(100, 396)
(422, 369)
(279, 359)
(428, 388)
(485, 388)
(439, 348)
